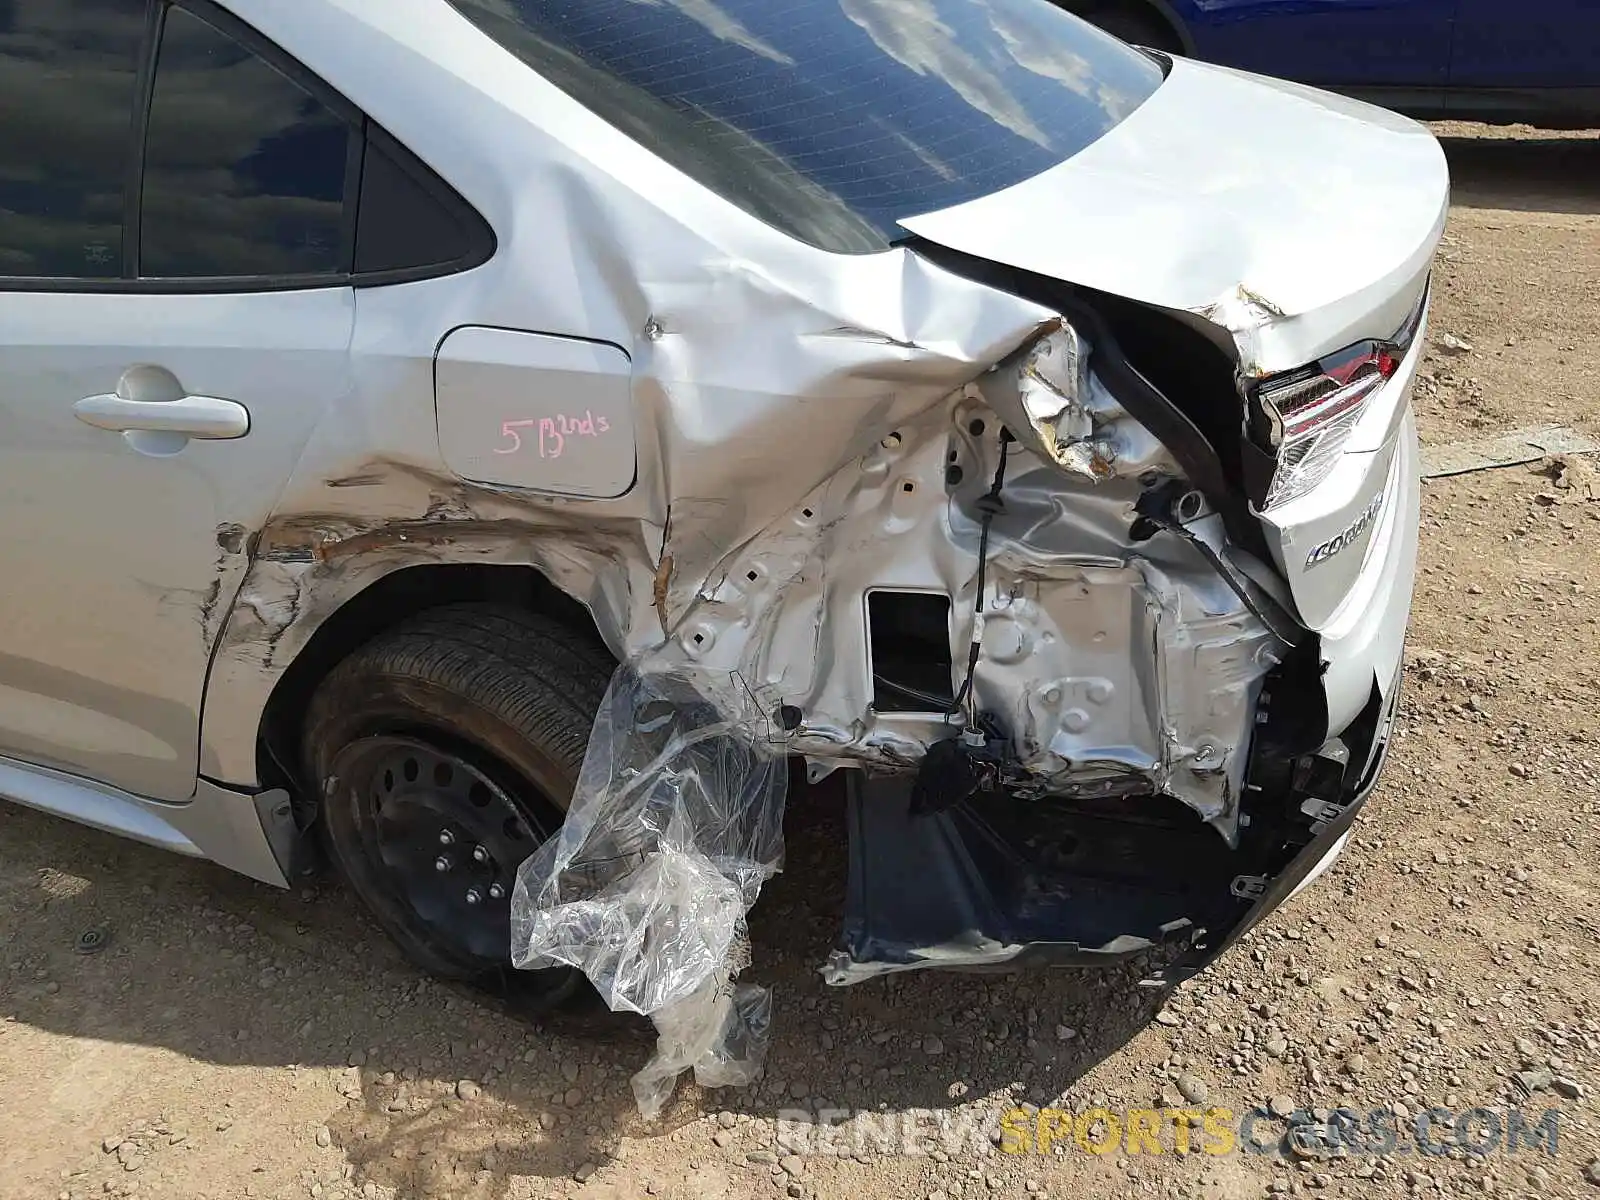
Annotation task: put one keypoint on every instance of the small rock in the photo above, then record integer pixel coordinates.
(110, 1144)
(584, 1173)
(792, 1164)
(726, 1119)
(1569, 1088)
(569, 1071)
(1277, 1045)
(467, 1090)
(932, 1046)
(1065, 1033)
(1193, 1088)
(1451, 344)
(1520, 770)
(324, 1137)
(1527, 1051)
(722, 1138)
(1281, 1106)
(1356, 1064)
(572, 1098)
(1592, 1172)
(1169, 1019)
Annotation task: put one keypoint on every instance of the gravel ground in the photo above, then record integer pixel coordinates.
(227, 1040)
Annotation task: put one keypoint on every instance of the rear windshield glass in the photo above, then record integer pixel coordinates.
(831, 119)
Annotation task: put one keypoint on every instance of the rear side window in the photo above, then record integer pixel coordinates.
(164, 145)
(68, 73)
(832, 119)
(245, 171)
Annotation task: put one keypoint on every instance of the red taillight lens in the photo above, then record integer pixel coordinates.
(1316, 409)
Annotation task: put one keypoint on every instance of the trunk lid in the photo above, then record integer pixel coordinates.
(1297, 220)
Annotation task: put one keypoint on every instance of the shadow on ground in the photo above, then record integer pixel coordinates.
(446, 1091)
(1547, 174)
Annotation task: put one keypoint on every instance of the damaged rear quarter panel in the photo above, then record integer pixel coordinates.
(751, 387)
(796, 412)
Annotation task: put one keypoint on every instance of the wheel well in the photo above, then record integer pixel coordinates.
(379, 608)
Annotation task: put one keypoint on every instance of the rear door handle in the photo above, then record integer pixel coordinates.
(187, 416)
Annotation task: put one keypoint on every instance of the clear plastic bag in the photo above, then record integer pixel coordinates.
(676, 823)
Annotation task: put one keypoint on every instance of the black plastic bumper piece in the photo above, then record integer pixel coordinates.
(995, 883)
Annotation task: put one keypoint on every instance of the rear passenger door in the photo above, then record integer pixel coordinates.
(1531, 44)
(1337, 43)
(178, 257)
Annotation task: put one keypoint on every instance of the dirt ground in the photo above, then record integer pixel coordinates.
(231, 1041)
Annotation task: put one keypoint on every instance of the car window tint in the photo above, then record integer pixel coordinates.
(832, 119)
(244, 171)
(68, 70)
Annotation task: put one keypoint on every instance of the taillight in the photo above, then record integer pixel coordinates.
(1311, 413)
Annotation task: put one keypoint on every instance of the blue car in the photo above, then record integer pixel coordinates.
(1478, 60)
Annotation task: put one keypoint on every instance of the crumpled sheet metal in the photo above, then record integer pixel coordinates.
(1053, 402)
(752, 390)
(1116, 668)
(676, 823)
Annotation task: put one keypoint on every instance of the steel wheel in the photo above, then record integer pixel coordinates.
(447, 835)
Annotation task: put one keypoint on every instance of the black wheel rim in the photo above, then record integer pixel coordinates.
(446, 837)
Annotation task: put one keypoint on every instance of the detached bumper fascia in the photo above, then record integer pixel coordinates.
(943, 891)
(1286, 882)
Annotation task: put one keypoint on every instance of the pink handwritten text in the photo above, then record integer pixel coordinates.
(553, 432)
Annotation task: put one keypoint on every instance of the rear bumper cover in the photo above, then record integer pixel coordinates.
(996, 886)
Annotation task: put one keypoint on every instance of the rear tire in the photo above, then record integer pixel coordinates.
(445, 751)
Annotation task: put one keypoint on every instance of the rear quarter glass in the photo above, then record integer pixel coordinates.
(831, 119)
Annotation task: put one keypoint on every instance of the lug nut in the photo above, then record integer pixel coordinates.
(442, 863)
(474, 896)
(446, 838)
(496, 892)
(479, 854)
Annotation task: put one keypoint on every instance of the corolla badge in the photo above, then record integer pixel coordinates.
(1347, 535)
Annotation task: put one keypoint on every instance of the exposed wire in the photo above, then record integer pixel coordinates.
(989, 506)
(934, 703)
